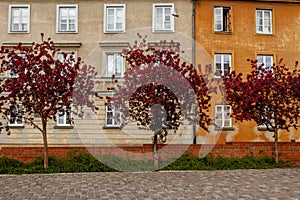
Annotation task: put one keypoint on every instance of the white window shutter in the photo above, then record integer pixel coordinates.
(218, 18)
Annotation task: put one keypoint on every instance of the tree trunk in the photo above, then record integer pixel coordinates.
(276, 144)
(46, 154)
(155, 157)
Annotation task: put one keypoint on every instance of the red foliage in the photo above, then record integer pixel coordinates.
(41, 83)
(156, 75)
(268, 96)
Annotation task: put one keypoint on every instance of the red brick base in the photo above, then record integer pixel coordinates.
(288, 151)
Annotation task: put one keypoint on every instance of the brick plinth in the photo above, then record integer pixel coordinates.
(288, 151)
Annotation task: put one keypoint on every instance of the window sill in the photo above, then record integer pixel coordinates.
(16, 126)
(223, 32)
(111, 127)
(225, 129)
(63, 127)
(18, 32)
(265, 34)
(67, 32)
(263, 129)
(114, 32)
(163, 31)
(109, 79)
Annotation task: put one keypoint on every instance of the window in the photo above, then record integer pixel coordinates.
(113, 116)
(64, 118)
(67, 18)
(114, 65)
(222, 19)
(222, 63)
(264, 21)
(12, 73)
(15, 116)
(162, 17)
(267, 117)
(222, 116)
(19, 17)
(265, 60)
(61, 58)
(114, 15)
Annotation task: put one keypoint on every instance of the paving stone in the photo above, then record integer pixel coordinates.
(274, 184)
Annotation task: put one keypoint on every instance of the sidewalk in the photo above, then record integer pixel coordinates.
(235, 184)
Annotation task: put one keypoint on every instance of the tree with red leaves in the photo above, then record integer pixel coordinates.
(268, 95)
(38, 83)
(160, 91)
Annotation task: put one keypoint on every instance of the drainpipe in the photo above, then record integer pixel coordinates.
(193, 62)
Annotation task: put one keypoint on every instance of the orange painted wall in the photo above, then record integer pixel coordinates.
(244, 43)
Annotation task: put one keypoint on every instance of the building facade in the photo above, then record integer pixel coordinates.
(221, 33)
(232, 32)
(97, 31)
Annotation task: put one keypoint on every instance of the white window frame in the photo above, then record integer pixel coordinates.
(64, 118)
(18, 116)
(123, 18)
(263, 21)
(58, 22)
(154, 16)
(264, 60)
(219, 19)
(113, 65)
(222, 63)
(10, 21)
(114, 111)
(225, 117)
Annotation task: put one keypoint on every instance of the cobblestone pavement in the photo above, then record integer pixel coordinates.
(236, 184)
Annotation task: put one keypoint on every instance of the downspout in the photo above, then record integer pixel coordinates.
(193, 62)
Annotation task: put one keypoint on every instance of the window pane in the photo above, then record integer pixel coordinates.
(71, 27)
(167, 11)
(119, 65)
(218, 58)
(159, 11)
(110, 12)
(259, 14)
(226, 123)
(117, 118)
(60, 120)
(119, 26)
(269, 61)
(218, 18)
(63, 12)
(110, 65)
(119, 14)
(63, 27)
(109, 118)
(267, 15)
(167, 18)
(167, 25)
(72, 12)
(159, 22)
